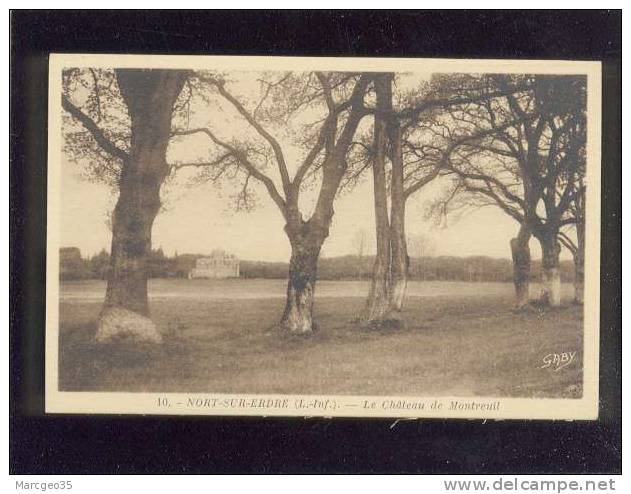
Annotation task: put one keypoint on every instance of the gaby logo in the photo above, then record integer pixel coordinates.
(558, 360)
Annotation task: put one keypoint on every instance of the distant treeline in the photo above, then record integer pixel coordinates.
(74, 267)
(440, 268)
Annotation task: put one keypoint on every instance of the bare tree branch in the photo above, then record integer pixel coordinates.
(278, 152)
(244, 161)
(96, 132)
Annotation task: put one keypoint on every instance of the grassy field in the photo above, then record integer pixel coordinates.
(219, 336)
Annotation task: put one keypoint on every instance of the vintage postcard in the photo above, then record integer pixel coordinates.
(357, 237)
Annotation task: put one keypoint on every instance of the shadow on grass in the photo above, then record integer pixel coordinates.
(465, 346)
(84, 361)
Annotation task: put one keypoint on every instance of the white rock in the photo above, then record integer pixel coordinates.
(118, 324)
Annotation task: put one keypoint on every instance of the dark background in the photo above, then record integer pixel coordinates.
(73, 444)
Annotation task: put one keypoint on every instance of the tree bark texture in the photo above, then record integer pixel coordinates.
(520, 251)
(306, 243)
(551, 272)
(379, 299)
(149, 96)
(399, 261)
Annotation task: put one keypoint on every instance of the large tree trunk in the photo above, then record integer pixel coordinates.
(579, 262)
(551, 272)
(399, 254)
(149, 96)
(126, 309)
(306, 243)
(307, 237)
(378, 303)
(520, 251)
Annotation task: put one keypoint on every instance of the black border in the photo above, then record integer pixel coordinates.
(114, 444)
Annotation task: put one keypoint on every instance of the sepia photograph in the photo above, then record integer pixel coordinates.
(323, 237)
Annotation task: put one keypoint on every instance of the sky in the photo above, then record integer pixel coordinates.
(200, 219)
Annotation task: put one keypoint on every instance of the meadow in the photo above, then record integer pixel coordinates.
(220, 336)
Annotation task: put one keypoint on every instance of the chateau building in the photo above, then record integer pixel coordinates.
(218, 265)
